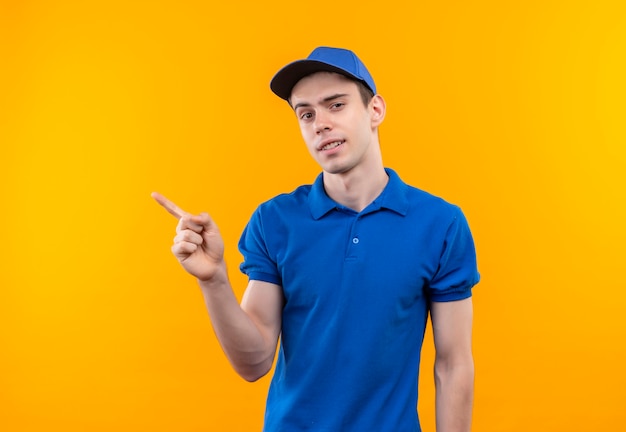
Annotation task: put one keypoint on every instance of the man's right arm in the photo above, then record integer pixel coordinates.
(248, 333)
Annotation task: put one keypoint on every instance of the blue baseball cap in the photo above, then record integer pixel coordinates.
(322, 59)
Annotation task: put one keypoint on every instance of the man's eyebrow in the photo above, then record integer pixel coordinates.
(326, 99)
(301, 104)
(335, 96)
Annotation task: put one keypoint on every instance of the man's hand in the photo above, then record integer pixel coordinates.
(198, 245)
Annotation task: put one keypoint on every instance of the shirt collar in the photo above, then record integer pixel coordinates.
(393, 197)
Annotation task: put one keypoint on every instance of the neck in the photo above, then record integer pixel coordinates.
(356, 190)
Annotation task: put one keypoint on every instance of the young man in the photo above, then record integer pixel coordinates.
(345, 271)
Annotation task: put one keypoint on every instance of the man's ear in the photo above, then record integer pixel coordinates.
(378, 109)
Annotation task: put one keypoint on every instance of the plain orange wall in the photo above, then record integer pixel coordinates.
(513, 110)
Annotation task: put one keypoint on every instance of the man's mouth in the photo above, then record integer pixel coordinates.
(331, 145)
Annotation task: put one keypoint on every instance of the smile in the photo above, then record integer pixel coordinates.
(331, 145)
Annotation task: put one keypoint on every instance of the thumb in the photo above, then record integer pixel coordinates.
(205, 221)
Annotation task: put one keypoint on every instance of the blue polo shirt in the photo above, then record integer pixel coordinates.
(357, 288)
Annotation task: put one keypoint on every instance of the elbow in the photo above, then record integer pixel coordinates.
(252, 373)
(461, 373)
(251, 376)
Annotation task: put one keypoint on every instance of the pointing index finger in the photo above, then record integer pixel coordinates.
(168, 205)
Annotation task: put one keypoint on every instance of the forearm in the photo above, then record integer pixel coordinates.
(454, 396)
(248, 335)
(248, 351)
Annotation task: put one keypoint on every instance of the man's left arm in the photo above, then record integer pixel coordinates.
(454, 364)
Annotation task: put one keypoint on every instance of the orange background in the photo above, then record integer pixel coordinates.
(513, 110)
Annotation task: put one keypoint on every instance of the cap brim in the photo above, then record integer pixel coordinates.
(285, 79)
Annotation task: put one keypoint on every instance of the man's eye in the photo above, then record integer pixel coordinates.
(306, 116)
(338, 104)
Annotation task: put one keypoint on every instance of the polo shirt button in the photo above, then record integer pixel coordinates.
(355, 240)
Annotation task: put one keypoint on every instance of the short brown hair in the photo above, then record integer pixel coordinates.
(365, 92)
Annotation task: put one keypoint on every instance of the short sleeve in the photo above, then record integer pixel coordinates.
(257, 263)
(457, 272)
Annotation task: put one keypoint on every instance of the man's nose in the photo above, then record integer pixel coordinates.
(322, 122)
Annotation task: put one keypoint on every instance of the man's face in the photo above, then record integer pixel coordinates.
(339, 130)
